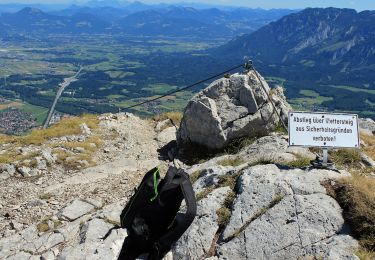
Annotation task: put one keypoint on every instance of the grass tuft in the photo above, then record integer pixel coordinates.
(281, 129)
(370, 149)
(276, 200)
(224, 213)
(203, 194)
(195, 176)
(364, 254)
(263, 161)
(223, 216)
(228, 202)
(346, 157)
(237, 145)
(176, 117)
(43, 226)
(12, 156)
(45, 196)
(299, 162)
(231, 162)
(228, 180)
(356, 195)
(112, 222)
(56, 223)
(67, 126)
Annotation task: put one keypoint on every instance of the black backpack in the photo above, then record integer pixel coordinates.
(151, 216)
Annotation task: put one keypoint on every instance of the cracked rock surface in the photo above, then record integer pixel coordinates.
(231, 108)
(196, 242)
(276, 214)
(88, 237)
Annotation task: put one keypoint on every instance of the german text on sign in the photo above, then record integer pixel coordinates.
(323, 130)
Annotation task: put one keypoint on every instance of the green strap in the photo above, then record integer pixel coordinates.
(156, 176)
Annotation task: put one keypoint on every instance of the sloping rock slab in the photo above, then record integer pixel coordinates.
(107, 249)
(76, 209)
(300, 226)
(95, 230)
(197, 240)
(285, 214)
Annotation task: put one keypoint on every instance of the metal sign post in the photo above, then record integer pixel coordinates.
(325, 157)
(323, 130)
(324, 162)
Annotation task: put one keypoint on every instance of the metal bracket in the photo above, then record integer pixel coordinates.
(323, 162)
(248, 65)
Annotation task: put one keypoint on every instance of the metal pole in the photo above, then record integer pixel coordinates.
(325, 157)
(249, 65)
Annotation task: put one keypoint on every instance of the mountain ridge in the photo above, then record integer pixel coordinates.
(331, 37)
(148, 21)
(324, 52)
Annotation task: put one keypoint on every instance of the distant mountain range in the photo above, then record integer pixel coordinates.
(33, 20)
(166, 21)
(107, 13)
(189, 21)
(328, 45)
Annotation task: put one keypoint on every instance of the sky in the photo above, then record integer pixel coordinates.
(355, 4)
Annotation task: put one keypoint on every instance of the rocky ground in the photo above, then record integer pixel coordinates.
(129, 149)
(262, 201)
(252, 209)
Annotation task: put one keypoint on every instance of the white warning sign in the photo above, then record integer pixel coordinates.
(323, 130)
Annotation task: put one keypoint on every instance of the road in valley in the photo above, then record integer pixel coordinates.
(63, 86)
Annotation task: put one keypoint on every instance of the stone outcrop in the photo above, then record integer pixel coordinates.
(88, 237)
(196, 242)
(367, 125)
(232, 108)
(7, 171)
(276, 214)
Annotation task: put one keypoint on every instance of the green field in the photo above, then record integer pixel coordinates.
(310, 98)
(159, 88)
(275, 81)
(354, 89)
(40, 113)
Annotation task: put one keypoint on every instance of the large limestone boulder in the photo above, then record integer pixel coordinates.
(232, 108)
(276, 213)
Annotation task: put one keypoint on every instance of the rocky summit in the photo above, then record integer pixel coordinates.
(262, 201)
(231, 108)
